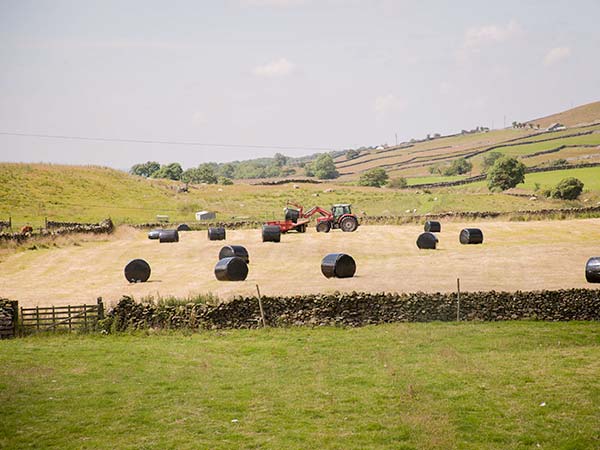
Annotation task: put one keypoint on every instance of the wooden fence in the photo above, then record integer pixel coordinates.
(70, 317)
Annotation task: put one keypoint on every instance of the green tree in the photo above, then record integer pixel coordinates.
(459, 166)
(351, 154)
(227, 170)
(280, 160)
(323, 167)
(376, 177)
(506, 173)
(489, 159)
(225, 180)
(171, 171)
(398, 183)
(567, 189)
(146, 169)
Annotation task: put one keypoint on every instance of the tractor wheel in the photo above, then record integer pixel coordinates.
(323, 227)
(348, 224)
(301, 228)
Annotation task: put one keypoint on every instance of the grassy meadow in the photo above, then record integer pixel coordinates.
(404, 386)
(32, 192)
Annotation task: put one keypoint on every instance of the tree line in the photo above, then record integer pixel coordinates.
(321, 167)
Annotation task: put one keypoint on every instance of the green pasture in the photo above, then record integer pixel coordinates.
(528, 149)
(590, 176)
(516, 385)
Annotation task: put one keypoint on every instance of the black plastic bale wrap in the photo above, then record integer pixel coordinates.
(154, 234)
(231, 269)
(216, 233)
(471, 236)
(592, 270)
(292, 214)
(184, 227)
(168, 236)
(433, 227)
(234, 250)
(427, 241)
(137, 271)
(338, 265)
(271, 233)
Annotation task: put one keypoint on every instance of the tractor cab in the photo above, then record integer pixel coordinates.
(340, 210)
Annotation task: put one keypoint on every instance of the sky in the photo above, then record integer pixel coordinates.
(241, 79)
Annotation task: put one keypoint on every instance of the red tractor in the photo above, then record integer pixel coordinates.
(340, 217)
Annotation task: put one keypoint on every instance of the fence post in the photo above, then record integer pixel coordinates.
(458, 299)
(37, 317)
(85, 324)
(53, 317)
(69, 313)
(100, 309)
(260, 306)
(15, 316)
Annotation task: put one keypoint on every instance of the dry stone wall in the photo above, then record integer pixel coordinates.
(359, 309)
(106, 226)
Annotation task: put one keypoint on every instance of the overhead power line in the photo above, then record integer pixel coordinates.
(150, 141)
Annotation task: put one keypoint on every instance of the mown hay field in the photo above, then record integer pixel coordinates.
(514, 256)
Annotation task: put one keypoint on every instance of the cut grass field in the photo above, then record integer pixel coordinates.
(516, 385)
(589, 176)
(514, 256)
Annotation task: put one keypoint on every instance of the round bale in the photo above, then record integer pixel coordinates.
(271, 233)
(231, 269)
(592, 270)
(184, 227)
(137, 271)
(471, 236)
(168, 236)
(292, 214)
(427, 241)
(154, 234)
(433, 227)
(230, 251)
(216, 233)
(338, 265)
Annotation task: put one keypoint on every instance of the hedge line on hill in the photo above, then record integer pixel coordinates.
(358, 309)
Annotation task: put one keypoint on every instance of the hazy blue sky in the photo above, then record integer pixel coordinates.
(301, 73)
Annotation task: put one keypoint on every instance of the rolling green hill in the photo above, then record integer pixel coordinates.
(415, 160)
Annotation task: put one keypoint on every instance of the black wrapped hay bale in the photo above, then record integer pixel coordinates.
(271, 233)
(231, 269)
(234, 250)
(154, 234)
(427, 241)
(292, 214)
(471, 236)
(432, 226)
(216, 233)
(592, 270)
(137, 271)
(184, 227)
(168, 236)
(338, 265)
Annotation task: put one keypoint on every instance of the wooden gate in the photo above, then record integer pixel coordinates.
(70, 317)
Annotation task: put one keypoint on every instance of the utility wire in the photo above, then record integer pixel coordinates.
(148, 141)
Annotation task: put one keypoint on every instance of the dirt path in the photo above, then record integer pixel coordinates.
(515, 255)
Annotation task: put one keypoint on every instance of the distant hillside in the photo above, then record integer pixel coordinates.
(427, 159)
(583, 114)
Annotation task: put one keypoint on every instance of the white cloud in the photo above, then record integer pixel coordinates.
(389, 103)
(275, 3)
(556, 55)
(476, 37)
(278, 68)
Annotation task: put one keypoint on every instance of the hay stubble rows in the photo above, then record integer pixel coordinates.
(514, 256)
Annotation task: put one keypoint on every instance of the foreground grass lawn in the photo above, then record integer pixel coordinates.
(470, 385)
